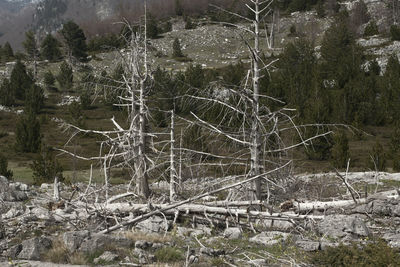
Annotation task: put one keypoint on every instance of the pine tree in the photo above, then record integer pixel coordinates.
(34, 100)
(50, 48)
(75, 41)
(49, 80)
(7, 96)
(31, 48)
(45, 168)
(27, 133)
(8, 53)
(152, 27)
(377, 159)
(20, 80)
(65, 77)
(178, 8)
(4, 171)
(176, 49)
(340, 150)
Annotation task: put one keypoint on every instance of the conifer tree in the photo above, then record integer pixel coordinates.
(4, 171)
(32, 50)
(377, 159)
(49, 80)
(65, 77)
(34, 100)
(340, 150)
(176, 49)
(75, 41)
(178, 8)
(20, 80)
(27, 133)
(45, 168)
(50, 48)
(152, 27)
(8, 53)
(7, 96)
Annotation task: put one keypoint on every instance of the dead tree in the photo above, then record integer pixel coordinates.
(129, 144)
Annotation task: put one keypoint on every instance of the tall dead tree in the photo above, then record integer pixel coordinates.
(129, 144)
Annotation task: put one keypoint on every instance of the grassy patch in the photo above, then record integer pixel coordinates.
(169, 254)
(377, 253)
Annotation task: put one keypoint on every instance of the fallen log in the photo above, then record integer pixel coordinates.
(321, 205)
(189, 200)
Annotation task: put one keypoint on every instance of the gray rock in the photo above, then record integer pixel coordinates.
(340, 226)
(13, 212)
(87, 242)
(13, 252)
(393, 239)
(73, 240)
(5, 193)
(142, 244)
(307, 245)
(233, 233)
(154, 224)
(33, 248)
(269, 238)
(8, 193)
(212, 252)
(107, 256)
(259, 262)
(101, 241)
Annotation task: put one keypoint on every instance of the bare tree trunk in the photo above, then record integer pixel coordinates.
(255, 166)
(172, 170)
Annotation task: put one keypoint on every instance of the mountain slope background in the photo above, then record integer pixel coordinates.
(94, 16)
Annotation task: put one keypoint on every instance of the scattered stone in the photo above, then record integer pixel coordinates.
(340, 226)
(307, 245)
(212, 252)
(142, 244)
(107, 256)
(269, 238)
(102, 241)
(8, 193)
(73, 240)
(33, 248)
(393, 239)
(154, 224)
(233, 233)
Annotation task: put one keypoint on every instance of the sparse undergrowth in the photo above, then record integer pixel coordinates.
(377, 253)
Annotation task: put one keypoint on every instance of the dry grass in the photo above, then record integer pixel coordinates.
(58, 253)
(77, 258)
(155, 238)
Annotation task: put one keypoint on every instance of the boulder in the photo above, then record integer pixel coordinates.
(307, 245)
(233, 233)
(340, 226)
(393, 239)
(101, 241)
(269, 238)
(34, 247)
(107, 256)
(154, 224)
(8, 193)
(142, 244)
(73, 240)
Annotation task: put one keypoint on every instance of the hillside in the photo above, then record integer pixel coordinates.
(201, 138)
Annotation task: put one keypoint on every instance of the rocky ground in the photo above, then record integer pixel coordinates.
(36, 228)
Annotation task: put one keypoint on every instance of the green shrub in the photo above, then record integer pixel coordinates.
(371, 29)
(340, 150)
(395, 32)
(4, 171)
(168, 254)
(377, 158)
(377, 253)
(45, 168)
